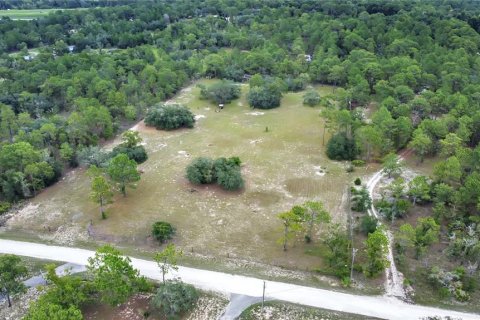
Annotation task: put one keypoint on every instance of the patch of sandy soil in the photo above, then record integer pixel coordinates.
(20, 305)
(208, 307)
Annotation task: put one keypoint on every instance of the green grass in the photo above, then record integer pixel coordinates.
(27, 14)
(280, 169)
(285, 310)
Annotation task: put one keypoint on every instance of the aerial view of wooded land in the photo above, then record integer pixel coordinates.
(327, 144)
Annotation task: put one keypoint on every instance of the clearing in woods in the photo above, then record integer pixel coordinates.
(29, 14)
(282, 167)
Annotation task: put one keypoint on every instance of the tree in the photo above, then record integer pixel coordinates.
(369, 139)
(113, 276)
(368, 224)
(201, 171)
(425, 233)
(392, 165)
(314, 214)
(12, 272)
(264, 97)
(170, 117)
(421, 144)
(220, 92)
(311, 98)
(376, 248)
(449, 171)
(450, 144)
(131, 138)
(8, 122)
(360, 199)
(174, 298)
(340, 147)
(123, 171)
(292, 224)
(339, 247)
(162, 231)
(167, 259)
(419, 189)
(101, 193)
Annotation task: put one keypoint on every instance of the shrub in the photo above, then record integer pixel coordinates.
(357, 182)
(368, 224)
(358, 163)
(225, 172)
(162, 231)
(220, 92)
(339, 147)
(92, 156)
(174, 298)
(200, 171)
(4, 207)
(136, 153)
(311, 98)
(170, 117)
(264, 97)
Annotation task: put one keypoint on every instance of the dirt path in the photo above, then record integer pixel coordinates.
(394, 279)
(379, 306)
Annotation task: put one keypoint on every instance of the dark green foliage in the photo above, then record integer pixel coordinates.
(357, 182)
(338, 256)
(174, 298)
(225, 172)
(221, 92)
(360, 199)
(170, 117)
(339, 147)
(368, 224)
(264, 97)
(137, 153)
(162, 231)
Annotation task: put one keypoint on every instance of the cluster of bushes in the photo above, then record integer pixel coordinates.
(220, 92)
(455, 283)
(4, 207)
(174, 298)
(341, 147)
(225, 172)
(170, 117)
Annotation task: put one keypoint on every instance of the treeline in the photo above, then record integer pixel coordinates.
(60, 4)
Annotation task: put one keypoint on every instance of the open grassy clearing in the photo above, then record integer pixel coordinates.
(28, 14)
(282, 167)
(287, 311)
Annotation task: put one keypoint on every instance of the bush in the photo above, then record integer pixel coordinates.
(264, 97)
(368, 224)
(173, 298)
(311, 98)
(137, 153)
(162, 231)
(220, 92)
(358, 163)
(200, 171)
(4, 207)
(357, 182)
(225, 172)
(92, 156)
(170, 117)
(339, 147)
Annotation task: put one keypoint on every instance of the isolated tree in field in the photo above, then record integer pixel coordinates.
(220, 92)
(425, 233)
(376, 248)
(392, 165)
(419, 189)
(421, 144)
(113, 276)
(170, 117)
(167, 259)
(162, 231)
(314, 214)
(101, 193)
(123, 171)
(12, 272)
(311, 98)
(292, 224)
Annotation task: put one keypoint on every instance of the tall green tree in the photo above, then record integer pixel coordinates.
(292, 224)
(101, 193)
(376, 248)
(12, 272)
(123, 172)
(315, 214)
(420, 237)
(167, 259)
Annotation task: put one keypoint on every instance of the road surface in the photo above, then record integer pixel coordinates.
(379, 306)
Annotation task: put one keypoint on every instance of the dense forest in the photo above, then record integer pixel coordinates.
(75, 78)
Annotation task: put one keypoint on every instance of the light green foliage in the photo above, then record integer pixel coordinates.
(421, 144)
(174, 298)
(12, 272)
(392, 165)
(292, 224)
(419, 189)
(450, 144)
(221, 92)
(314, 214)
(44, 310)
(167, 259)
(113, 276)
(131, 138)
(123, 172)
(370, 141)
(425, 233)
(360, 199)
(452, 281)
(66, 152)
(376, 248)
(311, 98)
(101, 193)
(449, 171)
(8, 122)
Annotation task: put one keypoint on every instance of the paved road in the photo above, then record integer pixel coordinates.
(381, 307)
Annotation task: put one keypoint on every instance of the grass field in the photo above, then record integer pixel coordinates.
(27, 14)
(282, 167)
